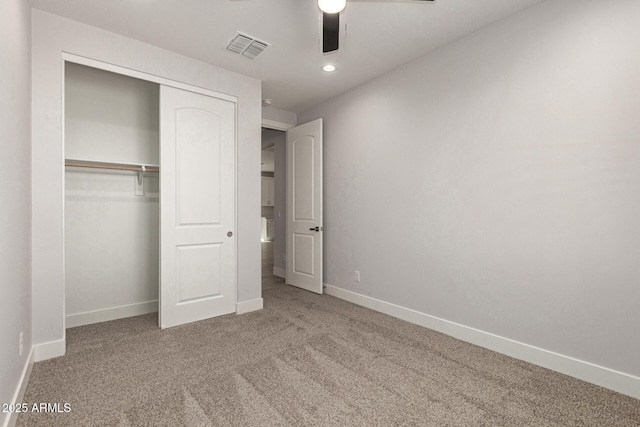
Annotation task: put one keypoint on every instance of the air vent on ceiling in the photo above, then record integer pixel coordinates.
(247, 45)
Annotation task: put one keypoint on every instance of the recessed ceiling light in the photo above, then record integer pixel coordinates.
(329, 68)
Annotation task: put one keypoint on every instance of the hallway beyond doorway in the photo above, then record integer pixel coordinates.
(269, 281)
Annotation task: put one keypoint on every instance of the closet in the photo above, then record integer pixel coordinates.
(149, 198)
(111, 205)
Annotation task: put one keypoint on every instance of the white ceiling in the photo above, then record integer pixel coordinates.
(380, 36)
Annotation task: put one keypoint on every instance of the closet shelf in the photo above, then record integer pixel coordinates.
(111, 165)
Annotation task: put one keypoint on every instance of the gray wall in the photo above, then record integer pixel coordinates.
(275, 114)
(15, 193)
(496, 182)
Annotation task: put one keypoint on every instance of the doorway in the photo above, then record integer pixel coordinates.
(128, 141)
(299, 210)
(111, 210)
(273, 184)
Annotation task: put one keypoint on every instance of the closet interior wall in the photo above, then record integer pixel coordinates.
(111, 234)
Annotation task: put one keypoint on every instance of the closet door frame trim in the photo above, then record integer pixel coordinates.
(105, 66)
(93, 63)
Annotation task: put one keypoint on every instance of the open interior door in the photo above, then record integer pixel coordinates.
(197, 207)
(304, 206)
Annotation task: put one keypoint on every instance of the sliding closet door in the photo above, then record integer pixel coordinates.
(197, 207)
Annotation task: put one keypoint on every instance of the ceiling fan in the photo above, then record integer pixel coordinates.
(331, 21)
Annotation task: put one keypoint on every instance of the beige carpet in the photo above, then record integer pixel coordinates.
(305, 360)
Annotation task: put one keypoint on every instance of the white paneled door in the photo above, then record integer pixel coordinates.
(304, 206)
(197, 207)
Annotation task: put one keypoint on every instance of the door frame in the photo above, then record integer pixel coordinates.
(272, 124)
(105, 66)
(129, 72)
(284, 127)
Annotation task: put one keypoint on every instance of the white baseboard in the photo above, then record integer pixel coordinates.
(249, 306)
(49, 350)
(97, 316)
(599, 375)
(280, 272)
(18, 397)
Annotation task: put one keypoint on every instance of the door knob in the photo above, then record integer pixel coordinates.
(314, 229)
(229, 234)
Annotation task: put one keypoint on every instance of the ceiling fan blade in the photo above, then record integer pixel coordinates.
(330, 32)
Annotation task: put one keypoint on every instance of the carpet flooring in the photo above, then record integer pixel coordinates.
(304, 360)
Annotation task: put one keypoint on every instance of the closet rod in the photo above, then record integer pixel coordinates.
(113, 166)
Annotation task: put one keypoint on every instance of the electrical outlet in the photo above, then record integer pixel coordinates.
(21, 343)
(356, 276)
